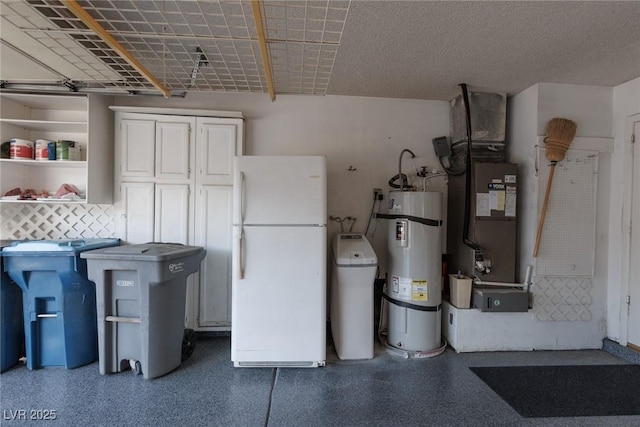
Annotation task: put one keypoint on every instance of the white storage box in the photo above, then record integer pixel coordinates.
(460, 290)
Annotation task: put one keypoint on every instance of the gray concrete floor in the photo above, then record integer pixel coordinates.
(207, 391)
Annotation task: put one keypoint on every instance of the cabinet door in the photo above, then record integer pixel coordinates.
(136, 204)
(214, 234)
(219, 140)
(137, 146)
(172, 150)
(172, 213)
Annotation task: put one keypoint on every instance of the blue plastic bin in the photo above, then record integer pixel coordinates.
(11, 329)
(59, 301)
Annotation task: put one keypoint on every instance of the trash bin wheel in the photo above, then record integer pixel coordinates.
(136, 366)
(188, 343)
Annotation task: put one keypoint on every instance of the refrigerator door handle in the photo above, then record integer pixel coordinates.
(241, 255)
(241, 201)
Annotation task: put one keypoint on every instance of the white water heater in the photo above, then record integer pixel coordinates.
(413, 292)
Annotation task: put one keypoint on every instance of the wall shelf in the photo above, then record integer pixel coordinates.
(48, 125)
(42, 200)
(85, 119)
(46, 163)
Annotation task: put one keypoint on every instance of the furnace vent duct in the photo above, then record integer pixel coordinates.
(488, 127)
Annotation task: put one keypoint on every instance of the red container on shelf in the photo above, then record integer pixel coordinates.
(21, 149)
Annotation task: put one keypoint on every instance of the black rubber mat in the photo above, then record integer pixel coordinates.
(566, 391)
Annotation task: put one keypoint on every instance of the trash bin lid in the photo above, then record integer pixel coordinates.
(144, 252)
(353, 249)
(56, 247)
(5, 243)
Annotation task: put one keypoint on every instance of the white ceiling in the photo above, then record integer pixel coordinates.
(391, 49)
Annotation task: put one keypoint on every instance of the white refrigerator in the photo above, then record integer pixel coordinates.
(278, 298)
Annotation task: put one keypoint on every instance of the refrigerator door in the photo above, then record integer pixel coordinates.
(279, 307)
(280, 190)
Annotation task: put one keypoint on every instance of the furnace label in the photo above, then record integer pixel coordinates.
(482, 204)
(510, 202)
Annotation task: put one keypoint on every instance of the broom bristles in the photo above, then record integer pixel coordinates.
(560, 133)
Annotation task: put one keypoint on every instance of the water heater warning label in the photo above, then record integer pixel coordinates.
(409, 289)
(419, 290)
(401, 286)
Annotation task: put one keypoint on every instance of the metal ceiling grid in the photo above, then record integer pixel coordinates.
(165, 36)
(304, 37)
(36, 26)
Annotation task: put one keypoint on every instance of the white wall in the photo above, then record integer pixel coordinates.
(626, 102)
(588, 106)
(528, 114)
(366, 134)
(600, 112)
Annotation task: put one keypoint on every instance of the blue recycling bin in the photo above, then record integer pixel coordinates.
(59, 301)
(11, 329)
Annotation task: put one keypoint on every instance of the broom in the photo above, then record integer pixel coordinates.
(560, 133)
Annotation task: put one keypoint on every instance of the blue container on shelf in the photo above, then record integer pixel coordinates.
(59, 301)
(11, 328)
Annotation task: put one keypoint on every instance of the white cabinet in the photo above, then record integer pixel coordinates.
(173, 147)
(84, 119)
(174, 184)
(136, 152)
(172, 219)
(155, 148)
(135, 202)
(154, 200)
(217, 142)
(214, 233)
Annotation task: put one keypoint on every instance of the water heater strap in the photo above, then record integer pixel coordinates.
(411, 306)
(425, 221)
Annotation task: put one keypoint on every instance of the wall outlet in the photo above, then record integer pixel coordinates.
(377, 194)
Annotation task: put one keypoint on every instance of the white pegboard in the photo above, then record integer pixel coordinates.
(567, 245)
(557, 299)
(56, 221)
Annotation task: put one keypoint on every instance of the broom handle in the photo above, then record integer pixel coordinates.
(544, 209)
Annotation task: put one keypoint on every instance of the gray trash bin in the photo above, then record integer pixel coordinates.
(140, 296)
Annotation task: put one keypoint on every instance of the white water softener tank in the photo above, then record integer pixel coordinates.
(413, 290)
(352, 276)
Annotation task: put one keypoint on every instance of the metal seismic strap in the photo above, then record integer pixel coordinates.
(411, 306)
(425, 221)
